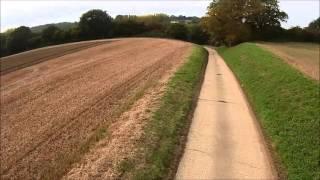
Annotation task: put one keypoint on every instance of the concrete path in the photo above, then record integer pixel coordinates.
(224, 141)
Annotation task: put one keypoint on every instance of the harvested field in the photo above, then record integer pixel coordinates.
(15, 62)
(51, 112)
(303, 56)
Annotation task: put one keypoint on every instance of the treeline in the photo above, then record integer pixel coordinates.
(307, 34)
(231, 22)
(98, 24)
(227, 22)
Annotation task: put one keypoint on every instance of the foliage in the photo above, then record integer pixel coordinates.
(177, 31)
(197, 34)
(18, 39)
(299, 34)
(314, 25)
(287, 104)
(232, 22)
(125, 26)
(95, 24)
(185, 19)
(313, 31)
(52, 34)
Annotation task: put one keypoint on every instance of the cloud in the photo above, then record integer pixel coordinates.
(31, 13)
(300, 12)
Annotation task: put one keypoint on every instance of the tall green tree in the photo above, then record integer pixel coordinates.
(18, 39)
(51, 34)
(177, 31)
(197, 34)
(314, 25)
(232, 22)
(95, 24)
(3, 43)
(127, 26)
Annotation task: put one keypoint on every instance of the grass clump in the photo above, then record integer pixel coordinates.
(287, 104)
(164, 131)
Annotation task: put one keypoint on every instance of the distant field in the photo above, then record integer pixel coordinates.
(303, 56)
(28, 58)
(286, 103)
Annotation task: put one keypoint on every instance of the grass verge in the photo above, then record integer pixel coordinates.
(286, 103)
(162, 140)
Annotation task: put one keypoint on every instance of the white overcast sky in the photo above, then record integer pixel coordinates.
(15, 13)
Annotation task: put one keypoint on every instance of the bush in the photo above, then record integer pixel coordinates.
(177, 31)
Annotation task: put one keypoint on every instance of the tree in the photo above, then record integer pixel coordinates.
(128, 26)
(177, 31)
(314, 25)
(18, 39)
(51, 35)
(95, 24)
(266, 23)
(3, 41)
(313, 31)
(155, 23)
(197, 34)
(233, 22)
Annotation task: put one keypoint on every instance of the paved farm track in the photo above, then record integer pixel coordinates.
(50, 109)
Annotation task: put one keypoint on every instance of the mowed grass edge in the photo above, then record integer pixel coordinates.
(165, 133)
(287, 104)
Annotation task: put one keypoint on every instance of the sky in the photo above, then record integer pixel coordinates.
(15, 13)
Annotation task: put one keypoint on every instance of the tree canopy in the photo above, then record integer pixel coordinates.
(314, 25)
(51, 34)
(232, 22)
(177, 31)
(95, 24)
(18, 39)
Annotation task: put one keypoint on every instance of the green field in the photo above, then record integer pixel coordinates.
(162, 139)
(287, 104)
(303, 56)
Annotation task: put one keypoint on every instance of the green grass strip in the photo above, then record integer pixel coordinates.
(287, 104)
(164, 131)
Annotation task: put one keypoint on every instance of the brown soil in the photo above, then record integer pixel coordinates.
(50, 110)
(104, 160)
(302, 56)
(14, 62)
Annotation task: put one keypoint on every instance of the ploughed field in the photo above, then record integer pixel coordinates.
(25, 59)
(50, 110)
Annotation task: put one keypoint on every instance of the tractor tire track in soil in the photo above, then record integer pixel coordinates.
(49, 110)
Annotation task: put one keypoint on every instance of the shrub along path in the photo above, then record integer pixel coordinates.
(224, 141)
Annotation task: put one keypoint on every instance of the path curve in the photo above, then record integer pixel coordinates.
(224, 141)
